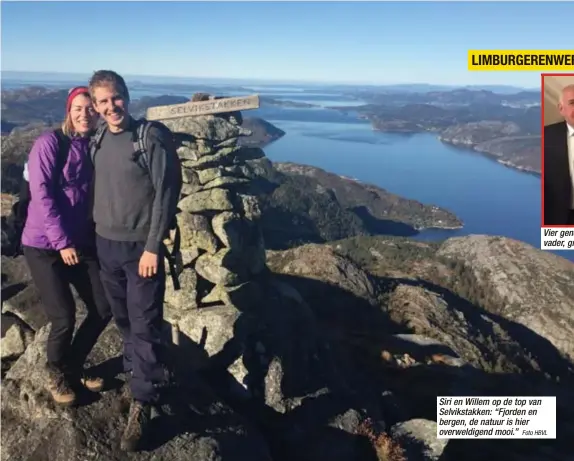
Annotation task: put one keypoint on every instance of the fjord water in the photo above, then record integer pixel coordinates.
(489, 197)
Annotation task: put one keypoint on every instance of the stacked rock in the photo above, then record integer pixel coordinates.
(221, 242)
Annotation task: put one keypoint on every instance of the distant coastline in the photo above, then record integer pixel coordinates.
(516, 150)
(493, 157)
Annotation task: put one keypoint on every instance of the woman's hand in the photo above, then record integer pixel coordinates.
(70, 256)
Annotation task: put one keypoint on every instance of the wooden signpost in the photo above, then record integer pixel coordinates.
(211, 106)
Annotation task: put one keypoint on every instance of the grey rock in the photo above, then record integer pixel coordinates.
(34, 429)
(231, 142)
(462, 330)
(241, 296)
(249, 153)
(340, 292)
(224, 267)
(419, 438)
(226, 156)
(250, 206)
(188, 256)
(229, 228)
(186, 298)
(209, 200)
(27, 306)
(432, 350)
(204, 147)
(191, 177)
(210, 127)
(209, 174)
(189, 189)
(241, 171)
(322, 263)
(196, 232)
(244, 237)
(15, 271)
(224, 181)
(255, 255)
(221, 157)
(14, 343)
(511, 272)
(213, 331)
(259, 167)
(273, 379)
(188, 152)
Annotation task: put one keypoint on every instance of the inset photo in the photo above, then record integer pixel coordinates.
(558, 150)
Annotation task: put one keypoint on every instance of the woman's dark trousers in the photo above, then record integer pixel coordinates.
(53, 279)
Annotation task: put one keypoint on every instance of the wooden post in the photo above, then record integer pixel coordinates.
(175, 334)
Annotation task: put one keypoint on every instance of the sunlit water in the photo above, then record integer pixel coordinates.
(489, 197)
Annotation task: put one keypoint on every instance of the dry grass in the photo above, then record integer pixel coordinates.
(385, 447)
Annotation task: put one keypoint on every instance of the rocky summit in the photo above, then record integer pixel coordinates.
(321, 351)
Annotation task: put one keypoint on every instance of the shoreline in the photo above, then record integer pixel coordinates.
(428, 221)
(466, 147)
(497, 158)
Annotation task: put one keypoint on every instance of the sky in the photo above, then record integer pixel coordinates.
(343, 42)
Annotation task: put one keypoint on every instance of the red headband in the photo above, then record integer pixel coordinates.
(73, 93)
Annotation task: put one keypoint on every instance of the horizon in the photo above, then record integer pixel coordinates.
(348, 43)
(58, 77)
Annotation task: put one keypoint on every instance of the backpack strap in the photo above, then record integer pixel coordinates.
(140, 141)
(173, 257)
(96, 140)
(64, 144)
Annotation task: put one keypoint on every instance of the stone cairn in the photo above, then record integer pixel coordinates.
(239, 318)
(222, 245)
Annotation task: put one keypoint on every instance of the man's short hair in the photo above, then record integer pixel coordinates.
(108, 77)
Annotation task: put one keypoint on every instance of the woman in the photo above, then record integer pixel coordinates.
(58, 244)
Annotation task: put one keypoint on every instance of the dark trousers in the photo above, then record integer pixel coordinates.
(137, 307)
(66, 351)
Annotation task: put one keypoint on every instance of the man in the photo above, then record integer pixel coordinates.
(559, 164)
(132, 210)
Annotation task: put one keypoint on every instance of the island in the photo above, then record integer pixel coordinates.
(504, 127)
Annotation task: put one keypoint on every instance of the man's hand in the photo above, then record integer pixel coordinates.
(70, 256)
(148, 264)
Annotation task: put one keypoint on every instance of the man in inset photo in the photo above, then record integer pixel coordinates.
(559, 164)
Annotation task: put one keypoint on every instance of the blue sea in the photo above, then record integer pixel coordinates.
(489, 197)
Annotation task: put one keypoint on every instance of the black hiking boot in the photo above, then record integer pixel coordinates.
(138, 419)
(59, 386)
(91, 382)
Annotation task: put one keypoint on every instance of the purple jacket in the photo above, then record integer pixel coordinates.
(58, 217)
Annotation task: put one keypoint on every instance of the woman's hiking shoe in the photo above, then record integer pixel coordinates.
(138, 419)
(59, 386)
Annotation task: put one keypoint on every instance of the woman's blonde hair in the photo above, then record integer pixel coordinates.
(67, 124)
